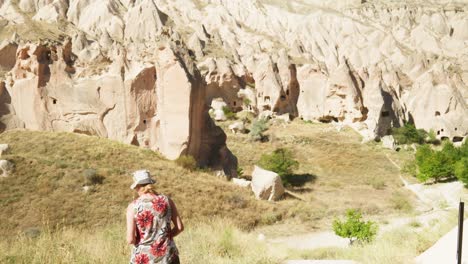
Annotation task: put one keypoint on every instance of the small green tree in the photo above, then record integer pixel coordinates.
(461, 170)
(280, 161)
(437, 165)
(354, 228)
(409, 134)
(257, 128)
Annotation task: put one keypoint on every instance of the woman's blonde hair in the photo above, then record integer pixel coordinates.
(148, 188)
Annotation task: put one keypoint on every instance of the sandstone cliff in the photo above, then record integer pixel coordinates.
(144, 72)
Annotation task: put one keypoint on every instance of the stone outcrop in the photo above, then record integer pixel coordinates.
(157, 104)
(4, 148)
(266, 185)
(137, 70)
(6, 167)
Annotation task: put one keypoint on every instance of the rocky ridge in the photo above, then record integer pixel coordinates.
(145, 71)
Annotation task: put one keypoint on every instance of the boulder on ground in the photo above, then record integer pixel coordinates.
(241, 182)
(4, 149)
(284, 117)
(266, 185)
(7, 167)
(237, 127)
(389, 142)
(218, 106)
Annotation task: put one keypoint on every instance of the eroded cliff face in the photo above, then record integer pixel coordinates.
(144, 72)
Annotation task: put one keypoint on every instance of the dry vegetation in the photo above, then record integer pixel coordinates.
(46, 211)
(47, 185)
(210, 242)
(336, 172)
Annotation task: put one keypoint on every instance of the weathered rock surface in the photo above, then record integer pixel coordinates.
(6, 167)
(389, 142)
(266, 185)
(4, 148)
(145, 72)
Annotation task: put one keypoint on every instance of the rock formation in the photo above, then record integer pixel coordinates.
(266, 185)
(145, 72)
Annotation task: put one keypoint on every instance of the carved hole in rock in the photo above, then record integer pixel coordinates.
(287, 92)
(54, 101)
(456, 129)
(444, 138)
(438, 132)
(457, 139)
(266, 98)
(302, 91)
(385, 113)
(451, 32)
(442, 130)
(283, 97)
(437, 113)
(234, 103)
(144, 121)
(266, 108)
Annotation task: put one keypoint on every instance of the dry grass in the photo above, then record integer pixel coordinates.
(47, 184)
(214, 242)
(342, 173)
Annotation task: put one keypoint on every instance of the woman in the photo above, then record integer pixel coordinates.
(149, 220)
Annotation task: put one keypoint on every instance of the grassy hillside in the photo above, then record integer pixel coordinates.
(46, 187)
(48, 217)
(336, 171)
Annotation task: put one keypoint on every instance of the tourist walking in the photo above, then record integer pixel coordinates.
(152, 224)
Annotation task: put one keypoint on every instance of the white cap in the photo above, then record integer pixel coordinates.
(141, 177)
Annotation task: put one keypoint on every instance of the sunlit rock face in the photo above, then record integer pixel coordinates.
(145, 72)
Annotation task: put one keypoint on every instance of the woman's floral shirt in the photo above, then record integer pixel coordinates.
(153, 227)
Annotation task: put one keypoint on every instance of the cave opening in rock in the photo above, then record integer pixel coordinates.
(457, 139)
(437, 113)
(54, 101)
(144, 122)
(385, 113)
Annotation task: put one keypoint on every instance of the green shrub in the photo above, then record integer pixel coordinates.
(257, 128)
(354, 228)
(461, 170)
(280, 161)
(229, 113)
(187, 162)
(437, 165)
(246, 101)
(408, 134)
(91, 177)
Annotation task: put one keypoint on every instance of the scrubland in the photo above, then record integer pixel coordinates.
(47, 216)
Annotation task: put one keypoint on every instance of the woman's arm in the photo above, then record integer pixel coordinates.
(130, 225)
(178, 225)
